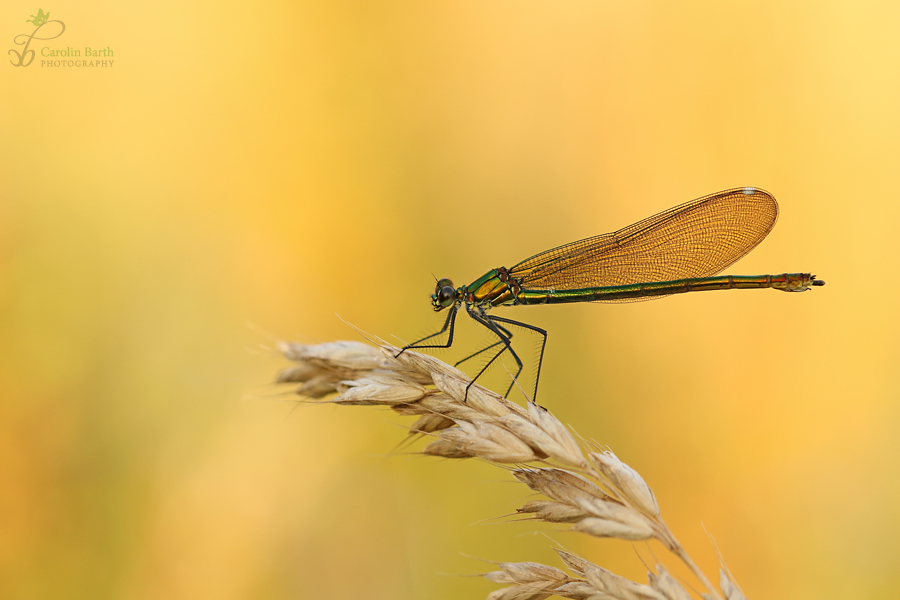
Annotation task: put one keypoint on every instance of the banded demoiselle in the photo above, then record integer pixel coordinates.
(678, 250)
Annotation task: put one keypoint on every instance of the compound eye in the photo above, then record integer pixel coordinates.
(446, 296)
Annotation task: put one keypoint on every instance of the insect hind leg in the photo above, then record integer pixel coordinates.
(543, 334)
(504, 335)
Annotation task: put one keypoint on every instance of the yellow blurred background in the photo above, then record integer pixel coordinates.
(249, 171)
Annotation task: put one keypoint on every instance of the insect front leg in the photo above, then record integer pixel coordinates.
(449, 322)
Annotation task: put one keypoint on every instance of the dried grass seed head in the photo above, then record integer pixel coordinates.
(581, 590)
(445, 449)
(490, 442)
(528, 572)
(442, 404)
(553, 512)
(619, 587)
(421, 363)
(319, 386)
(627, 481)
(519, 592)
(474, 396)
(379, 389)
(575, 563)
(560, 485)
(607, 528)
(298, 374)
(431, 423)
(564, 448)
(539, 439)
(729, 588)
(670, 587)
(352, 355)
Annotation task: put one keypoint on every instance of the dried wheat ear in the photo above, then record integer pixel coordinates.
(598, 494)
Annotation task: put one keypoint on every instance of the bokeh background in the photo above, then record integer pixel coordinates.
(248, 171)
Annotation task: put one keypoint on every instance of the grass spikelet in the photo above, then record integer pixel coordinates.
(663, 582)
(627, 480)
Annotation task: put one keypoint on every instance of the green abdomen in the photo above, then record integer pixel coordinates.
(787, 282)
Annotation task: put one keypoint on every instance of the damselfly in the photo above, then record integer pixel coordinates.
(678, 250)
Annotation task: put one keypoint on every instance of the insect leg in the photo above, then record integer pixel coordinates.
(449, 322)
(543, 345)
(488, 322)
(505, 332)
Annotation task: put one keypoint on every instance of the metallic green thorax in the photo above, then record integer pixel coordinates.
(494, 288)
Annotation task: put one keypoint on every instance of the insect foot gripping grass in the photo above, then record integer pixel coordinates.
(594, 491)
